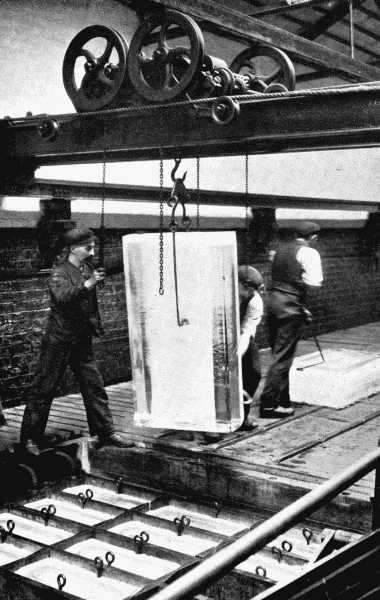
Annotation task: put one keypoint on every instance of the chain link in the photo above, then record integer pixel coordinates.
(198, 191)
(161, 234)
(247, 236)
(102, 216)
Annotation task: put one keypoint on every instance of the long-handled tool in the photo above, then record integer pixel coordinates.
(320, 352)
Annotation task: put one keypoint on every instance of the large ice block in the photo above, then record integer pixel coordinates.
(184, 376)
(345, 377)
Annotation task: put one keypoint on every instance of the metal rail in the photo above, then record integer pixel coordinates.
(227, 558)
(332, 118)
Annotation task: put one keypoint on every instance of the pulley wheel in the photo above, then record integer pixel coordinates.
(158, 68)
(224, 109)
(95, 68)
(265, 65)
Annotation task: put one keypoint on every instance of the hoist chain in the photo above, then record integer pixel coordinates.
(161, 234)
(247, 236)
(198, 191)
(102, 228)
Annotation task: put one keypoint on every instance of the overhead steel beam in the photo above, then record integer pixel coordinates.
(346, 117)
(46, 188)
(281, 6)
(242, 27)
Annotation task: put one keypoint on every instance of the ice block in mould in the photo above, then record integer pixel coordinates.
(185, 376)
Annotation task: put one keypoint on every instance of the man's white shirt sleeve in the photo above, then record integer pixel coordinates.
(253, 315)
(310, 260)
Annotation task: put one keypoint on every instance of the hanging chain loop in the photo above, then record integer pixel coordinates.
(161, 233)
(198, 191)
(247, 236)
(102, 216)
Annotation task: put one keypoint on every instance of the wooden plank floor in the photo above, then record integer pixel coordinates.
(312, 446)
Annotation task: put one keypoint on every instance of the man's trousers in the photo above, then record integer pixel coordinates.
(54, 359)
(283, 337)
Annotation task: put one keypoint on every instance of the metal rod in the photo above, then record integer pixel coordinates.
(376, 500)
(180, 321)
(319, 348)
(223, 561)
(352, 45)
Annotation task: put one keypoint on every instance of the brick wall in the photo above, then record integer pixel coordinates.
(350, 297)
(24, 305)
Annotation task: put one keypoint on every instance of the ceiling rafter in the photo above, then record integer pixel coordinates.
(235, 25)
(375, 56)
(280, 7)
(331, 17)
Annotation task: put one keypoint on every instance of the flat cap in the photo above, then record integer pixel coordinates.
(250, 276)
(307, 228)
(79, 237)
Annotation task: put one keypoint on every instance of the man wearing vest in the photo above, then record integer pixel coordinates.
(296, 268)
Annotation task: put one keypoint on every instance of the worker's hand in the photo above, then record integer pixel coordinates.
(307, 315)
(97, 276)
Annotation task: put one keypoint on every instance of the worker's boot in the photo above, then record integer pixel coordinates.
(249, 424)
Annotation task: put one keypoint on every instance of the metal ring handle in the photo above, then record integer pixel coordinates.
(99, 564)
(89, 493)
(261, 571)
(307, 534)
(110, 557)
(277, 552)
(83, 499)
(3, 534)
(61, 580)
(119, 484)
(287, 546)
(10, 525)
(144, 536)
(46, 514)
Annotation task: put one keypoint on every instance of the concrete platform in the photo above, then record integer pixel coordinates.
(269, 467)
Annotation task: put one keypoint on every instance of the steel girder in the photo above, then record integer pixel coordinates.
(344, 117)
(54, 189)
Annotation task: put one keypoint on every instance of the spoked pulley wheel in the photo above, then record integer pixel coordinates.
(165, 56)
(95, 69)
(265, 65)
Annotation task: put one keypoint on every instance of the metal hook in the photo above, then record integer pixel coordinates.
(179, 195)
(217, 507)
(140, 541)
(119, 484)
(181, 523)
(175, 169)
(47, 512)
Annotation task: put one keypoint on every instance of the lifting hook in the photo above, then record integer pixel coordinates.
(179, 195)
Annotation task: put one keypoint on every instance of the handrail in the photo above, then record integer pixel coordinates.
(228, 557)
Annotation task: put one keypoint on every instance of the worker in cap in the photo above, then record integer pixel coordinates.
(296, 271)
(251, 285)
(305, 229)
(250, 276)
(79, 237)
(72, 322)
